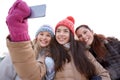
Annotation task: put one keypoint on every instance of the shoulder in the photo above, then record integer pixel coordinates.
(113, 40)
(113, 45)
(90, 56)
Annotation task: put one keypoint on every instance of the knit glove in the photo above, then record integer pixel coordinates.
(17, 21)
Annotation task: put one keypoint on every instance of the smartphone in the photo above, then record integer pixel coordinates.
(38, 11)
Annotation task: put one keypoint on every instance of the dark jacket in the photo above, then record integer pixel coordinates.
(112, 60)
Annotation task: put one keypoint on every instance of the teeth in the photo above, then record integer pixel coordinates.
(61, 39)
(86, 40)
(43, 42)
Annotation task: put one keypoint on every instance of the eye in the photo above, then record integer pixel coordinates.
(66, 31)
(84, 32)
(48, 35)
(79, 36)
(41, 34)
(57, 30)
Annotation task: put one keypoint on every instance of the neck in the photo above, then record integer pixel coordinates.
(67, 45)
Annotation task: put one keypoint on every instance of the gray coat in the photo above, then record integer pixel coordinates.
(7, 71)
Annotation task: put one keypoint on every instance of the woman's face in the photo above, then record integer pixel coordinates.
(62, 35)
(85, 35)
(44, 38)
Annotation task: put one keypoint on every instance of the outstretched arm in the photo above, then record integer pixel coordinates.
(19, 44)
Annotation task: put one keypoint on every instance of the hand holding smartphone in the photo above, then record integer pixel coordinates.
(38, 11)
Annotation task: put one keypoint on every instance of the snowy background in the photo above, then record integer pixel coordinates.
(103, 16)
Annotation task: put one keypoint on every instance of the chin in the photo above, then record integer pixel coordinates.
(43, 45)
(61, 43)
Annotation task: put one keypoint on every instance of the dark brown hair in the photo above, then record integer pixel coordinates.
(78, 52)
(85, 26)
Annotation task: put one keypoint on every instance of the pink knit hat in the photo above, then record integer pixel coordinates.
(68, 22)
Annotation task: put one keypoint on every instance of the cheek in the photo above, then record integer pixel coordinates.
(68, 39)
(80, 39)
(56, 34)
(91, 40)
(68, 35)
(89, 43)
(49, 40)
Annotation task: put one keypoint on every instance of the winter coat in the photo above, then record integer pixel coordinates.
(1, 58)
(28, 68)
(115, 43)
(7, 71)
(113, 58)
(111, 62)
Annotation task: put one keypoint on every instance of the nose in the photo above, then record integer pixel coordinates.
(61, 33)
(83, 36)
(44, 37)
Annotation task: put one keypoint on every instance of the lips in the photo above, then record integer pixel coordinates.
(61, 39)
(43, 41)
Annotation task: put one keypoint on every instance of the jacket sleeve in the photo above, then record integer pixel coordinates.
(24, 61)
(99, 69)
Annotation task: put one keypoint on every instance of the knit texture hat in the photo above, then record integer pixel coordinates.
(43, 28)
(68, 22)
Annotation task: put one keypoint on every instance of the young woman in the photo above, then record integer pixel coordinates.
(40, 45)
(105, 49)
(72, 54)
(72, 61)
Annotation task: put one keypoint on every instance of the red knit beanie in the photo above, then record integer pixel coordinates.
(68, 22)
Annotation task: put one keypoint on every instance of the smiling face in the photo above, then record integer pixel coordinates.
(62, 35)
(44, 38)
(85, 35)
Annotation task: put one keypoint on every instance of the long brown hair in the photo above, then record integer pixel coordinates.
(78, 52)
(99, 46)
(36, 46)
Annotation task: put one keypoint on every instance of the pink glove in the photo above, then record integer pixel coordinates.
(17, 21)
